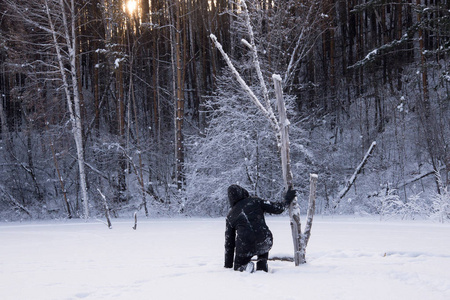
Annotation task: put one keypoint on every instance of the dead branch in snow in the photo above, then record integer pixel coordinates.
(358, 170)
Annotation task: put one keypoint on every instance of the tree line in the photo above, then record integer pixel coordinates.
(114, 98)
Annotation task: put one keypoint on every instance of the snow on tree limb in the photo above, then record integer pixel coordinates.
(276, 77)
(238, 76)
(375, 53)
(293, 62)
(244, 41)
(256, 59)
(252, 46)
(270, 115)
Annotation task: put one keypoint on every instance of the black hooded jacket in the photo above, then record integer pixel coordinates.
(246, 230)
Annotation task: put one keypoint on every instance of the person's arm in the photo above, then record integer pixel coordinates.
(230, 243)
(272, 207)
(279, 207)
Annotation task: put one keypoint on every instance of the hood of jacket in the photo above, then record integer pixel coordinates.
(236, 194)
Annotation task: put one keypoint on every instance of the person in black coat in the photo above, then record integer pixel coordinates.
(246, 233)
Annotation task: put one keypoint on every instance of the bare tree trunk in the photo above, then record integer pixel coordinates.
(300, 240)
(122, 167)
(311, 207)
(425, 111)
(135, 221)
(71, 89)
(294, 208)
(105, 205)
(71, 40)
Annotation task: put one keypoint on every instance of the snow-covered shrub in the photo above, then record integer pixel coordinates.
(415, 206)
(441, 202)
(389, 204)
(441, 206)
(384, 203)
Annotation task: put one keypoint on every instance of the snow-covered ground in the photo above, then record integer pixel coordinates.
(348, 258)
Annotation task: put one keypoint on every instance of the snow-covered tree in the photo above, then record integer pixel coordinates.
(280, 129)
(56, 21)
(237, 147)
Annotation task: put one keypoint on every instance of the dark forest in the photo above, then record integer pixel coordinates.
(128, 106)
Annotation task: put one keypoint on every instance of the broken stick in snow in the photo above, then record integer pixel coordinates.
(311, 207)
(105, 204)
(135, 221)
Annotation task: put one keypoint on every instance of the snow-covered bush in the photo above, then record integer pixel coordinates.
(441, 206)
(385, 203)
(416, 206)
(441, 202)
(389, 204)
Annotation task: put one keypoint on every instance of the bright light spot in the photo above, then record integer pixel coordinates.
(131, 6)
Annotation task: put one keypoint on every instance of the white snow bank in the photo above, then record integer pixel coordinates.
(183, 259)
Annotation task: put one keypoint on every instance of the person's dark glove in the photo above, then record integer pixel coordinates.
(289, 196)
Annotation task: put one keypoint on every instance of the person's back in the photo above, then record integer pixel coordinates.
(246, 231)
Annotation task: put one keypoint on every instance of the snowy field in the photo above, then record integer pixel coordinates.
(348, 258)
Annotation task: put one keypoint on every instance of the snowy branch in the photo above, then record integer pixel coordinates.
(244, 41)
(358, 170)
(246, 88)
(372, 55)
(252, 47)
